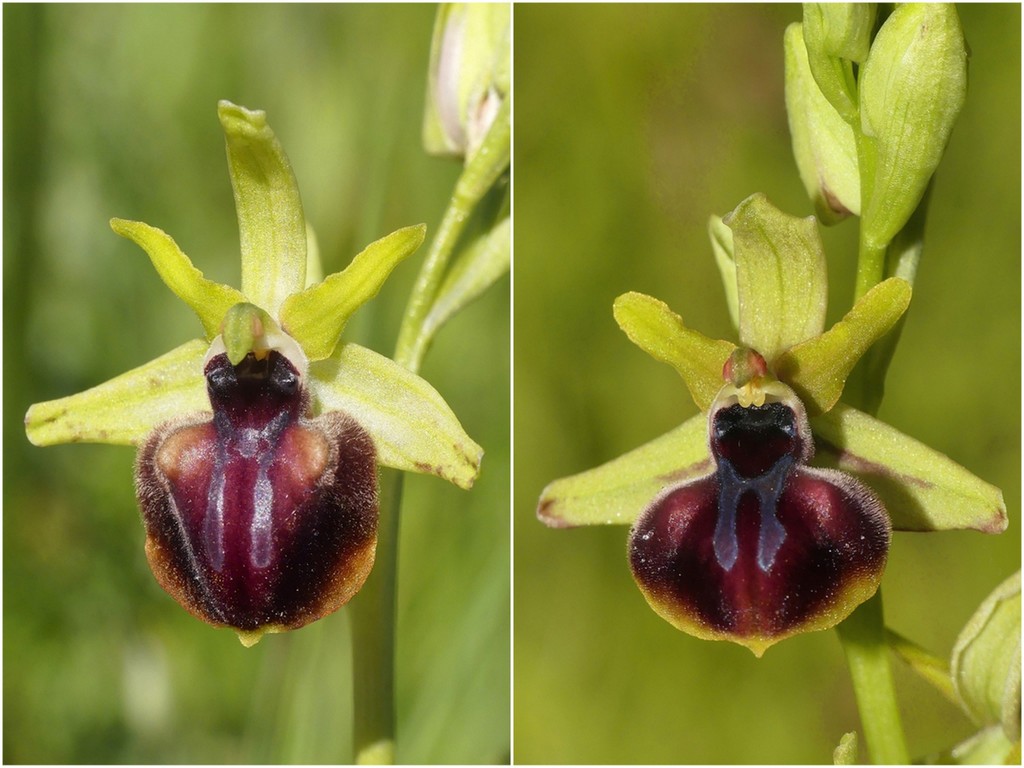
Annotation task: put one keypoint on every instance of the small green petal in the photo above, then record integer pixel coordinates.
(818, 368)
(316, 316)
(660, 332)
(209, 300)
(923, 490)
(985, 663)
(412, 426)
(617, 493)
(271, 226)
(780, 274)
(722, 245)
(127, 408)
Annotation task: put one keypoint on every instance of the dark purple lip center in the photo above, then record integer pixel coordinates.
(258, 514)
(254, 403)
(755, 449)
(255, 394)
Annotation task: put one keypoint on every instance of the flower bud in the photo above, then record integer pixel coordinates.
(912, 88)
(985, 665)
(823, 142)
(842, 30)
(469, 76)
(836, 35)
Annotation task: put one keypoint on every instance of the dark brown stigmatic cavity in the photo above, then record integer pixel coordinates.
(765, 546)
(259, 518)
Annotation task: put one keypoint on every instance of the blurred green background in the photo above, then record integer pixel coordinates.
(111, 111)
(632, 125)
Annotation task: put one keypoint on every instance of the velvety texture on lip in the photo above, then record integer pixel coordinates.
(259, 517)
(765, 546)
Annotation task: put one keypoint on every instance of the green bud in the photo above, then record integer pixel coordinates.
(912, 88)
(838, 34)
(823, 142)
(468, 78)
(842, 30)
(985, 664)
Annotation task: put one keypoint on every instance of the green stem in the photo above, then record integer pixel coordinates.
(863, 634)
(870, 255)
(476, 179)
(866, 384)
(373, 626)
(867, 654)
(373, 632)
(411, 343)
(373, 637)
(870, 267)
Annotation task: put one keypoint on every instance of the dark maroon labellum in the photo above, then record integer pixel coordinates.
(259, 518)
(765, 546)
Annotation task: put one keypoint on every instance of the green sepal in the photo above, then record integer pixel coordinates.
(922, 489)
(208, 299)
(617, 493)
(985, 663)
(824, 144)
(912, 87)
(124, 410)
(780, 274)
(722, 245)
(485, 260)
(271, 226)
(817, 369)
(660, 332)
(316, 316)
(411, 425)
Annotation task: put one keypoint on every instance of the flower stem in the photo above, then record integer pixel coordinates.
(411, 343)
(478, 176)
(863, 634)
(373, 628)
(867, 654)
(870, 255)
(373, 631)
(373, 637)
